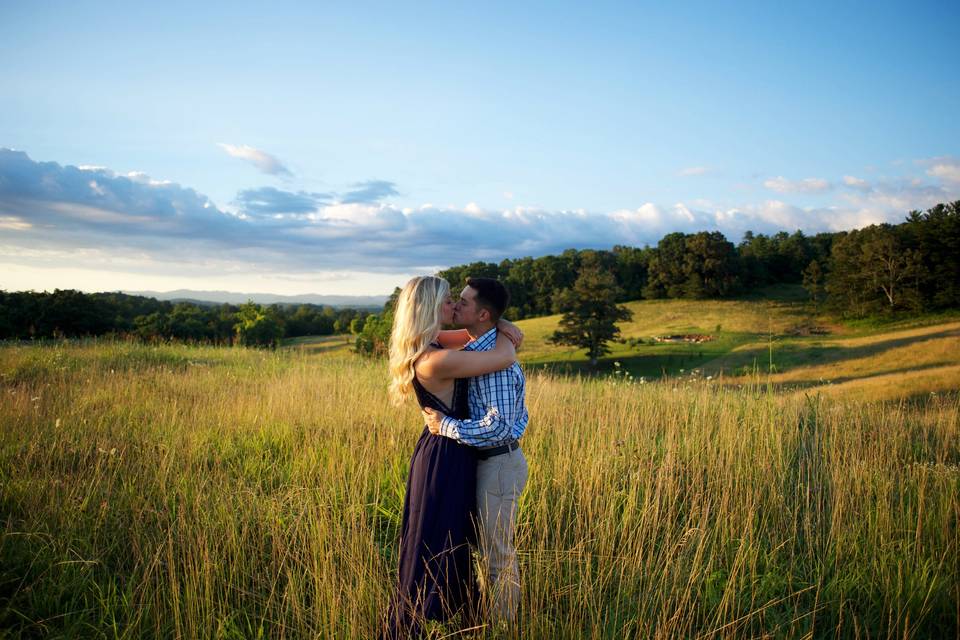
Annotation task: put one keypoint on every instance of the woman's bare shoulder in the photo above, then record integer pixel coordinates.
(426, 364)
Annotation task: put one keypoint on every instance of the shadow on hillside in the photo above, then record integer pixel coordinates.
(321, 348)
(776, 293)
(833, 354)
(649, 365)
(799, 385)
(324, 344)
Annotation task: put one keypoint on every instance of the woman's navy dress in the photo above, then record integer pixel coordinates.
(436, 569)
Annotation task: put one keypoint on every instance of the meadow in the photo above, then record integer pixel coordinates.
(177, 491)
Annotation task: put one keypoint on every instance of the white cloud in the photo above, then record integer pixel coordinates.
(140, 176)
(856, 183)
(260, 159)
(693, 171)
(14, 223)
(807, 185)
(891, 199)
(945, 168)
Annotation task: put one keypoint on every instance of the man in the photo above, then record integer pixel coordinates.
(498, 418)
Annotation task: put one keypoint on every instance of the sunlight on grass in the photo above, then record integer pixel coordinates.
(205, 492)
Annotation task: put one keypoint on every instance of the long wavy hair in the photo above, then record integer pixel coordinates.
(416, 321)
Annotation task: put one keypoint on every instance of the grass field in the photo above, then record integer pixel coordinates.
(198, 492)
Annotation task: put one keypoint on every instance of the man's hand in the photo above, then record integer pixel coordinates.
(433, 419)
(512, 332)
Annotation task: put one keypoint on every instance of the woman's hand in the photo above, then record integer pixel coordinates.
(511, 331)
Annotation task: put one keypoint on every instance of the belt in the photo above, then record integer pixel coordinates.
(483, 454)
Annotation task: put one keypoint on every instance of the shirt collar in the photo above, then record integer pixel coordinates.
(486, 342)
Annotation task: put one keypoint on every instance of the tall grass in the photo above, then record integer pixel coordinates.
(194, 492)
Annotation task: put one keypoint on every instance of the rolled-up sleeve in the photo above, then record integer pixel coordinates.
(499, 393)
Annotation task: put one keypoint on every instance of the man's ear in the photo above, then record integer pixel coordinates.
(483, 315)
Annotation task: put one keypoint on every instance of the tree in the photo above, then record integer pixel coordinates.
(356, 325)
(258, 326)
(813, 282)
(457, 276)
(631, 270)
(374, 339)
(187, 322)
(873, 271)
(936, 235)
(890, 267)
(710, 266)
(590, 312)
(665, 275)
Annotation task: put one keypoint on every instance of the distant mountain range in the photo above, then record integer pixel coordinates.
(232, 297)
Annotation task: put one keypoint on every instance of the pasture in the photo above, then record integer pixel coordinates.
(178, 491)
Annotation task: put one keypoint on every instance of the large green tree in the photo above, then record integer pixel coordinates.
(590, 312)
(710, 266)
(258, 326)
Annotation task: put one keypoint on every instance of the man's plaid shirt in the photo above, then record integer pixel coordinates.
(497, 410)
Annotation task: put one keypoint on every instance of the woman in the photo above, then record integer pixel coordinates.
(436, 573)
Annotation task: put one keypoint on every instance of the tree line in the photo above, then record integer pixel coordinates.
(910, 267)
(66, 313)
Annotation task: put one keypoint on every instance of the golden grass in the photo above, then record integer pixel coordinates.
(883, 366)
(194, 492)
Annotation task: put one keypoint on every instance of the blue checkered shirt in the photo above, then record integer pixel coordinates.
(497, 410)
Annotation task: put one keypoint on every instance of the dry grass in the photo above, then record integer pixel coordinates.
(883, 366)
(190, 492)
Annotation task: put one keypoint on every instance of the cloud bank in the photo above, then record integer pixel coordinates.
(70, 215)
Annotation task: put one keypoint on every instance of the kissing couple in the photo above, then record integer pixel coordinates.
(467, 470)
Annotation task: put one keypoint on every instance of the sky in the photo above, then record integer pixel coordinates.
(298, 148)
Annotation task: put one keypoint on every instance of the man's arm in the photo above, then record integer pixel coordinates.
(499, 394)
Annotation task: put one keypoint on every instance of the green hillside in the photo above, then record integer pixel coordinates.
(778, 339)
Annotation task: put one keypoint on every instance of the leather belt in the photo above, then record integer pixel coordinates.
(483, 454)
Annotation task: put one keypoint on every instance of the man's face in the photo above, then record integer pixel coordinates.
(467, 313)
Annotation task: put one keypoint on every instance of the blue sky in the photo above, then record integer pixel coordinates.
(295, 148)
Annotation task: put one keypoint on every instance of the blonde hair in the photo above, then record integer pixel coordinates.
(416, 322)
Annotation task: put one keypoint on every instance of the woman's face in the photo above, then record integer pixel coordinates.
(446, 310)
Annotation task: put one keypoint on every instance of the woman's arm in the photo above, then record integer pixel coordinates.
(458, 338)
(447, 363)
(510, 330)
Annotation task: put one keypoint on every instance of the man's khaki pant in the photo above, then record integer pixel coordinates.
(500, 481)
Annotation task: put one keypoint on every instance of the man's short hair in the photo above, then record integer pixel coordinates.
(491, 295)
